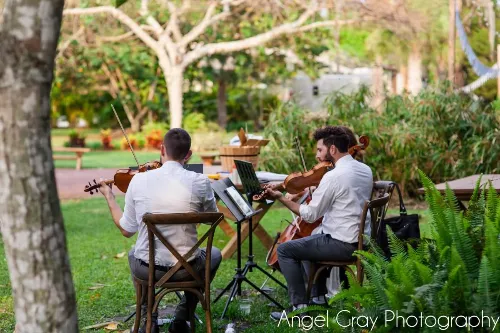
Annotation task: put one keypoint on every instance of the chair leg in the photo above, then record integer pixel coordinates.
(151, 300)
(310, 280)
(361, 275)
(208, 314)
(192, 321)
(138, 306)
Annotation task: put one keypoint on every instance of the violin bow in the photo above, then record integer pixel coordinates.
(125, 134)
(302, 159)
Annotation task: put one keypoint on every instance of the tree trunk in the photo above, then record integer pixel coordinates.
(378, 85)
(221, 103)
(31, 219)
(402, 84)
(135, 125)
(174, 79)
(415, 70)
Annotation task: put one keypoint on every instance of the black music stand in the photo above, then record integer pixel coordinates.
(223, 189)
(251, 186)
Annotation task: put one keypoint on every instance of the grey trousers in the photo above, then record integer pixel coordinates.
(293, 254)
(189, 301)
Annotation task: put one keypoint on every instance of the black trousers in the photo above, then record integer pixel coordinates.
(293, 254)
(189, 301)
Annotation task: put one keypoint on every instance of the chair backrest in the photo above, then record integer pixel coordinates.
(152, 220)
(377, 208)
(381, 188)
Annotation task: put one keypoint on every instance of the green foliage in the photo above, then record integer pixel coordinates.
(285, 123)
(150, 126)
(442, 277)
(448, 135)
(194, 122)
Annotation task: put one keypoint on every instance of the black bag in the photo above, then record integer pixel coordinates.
(404, 226)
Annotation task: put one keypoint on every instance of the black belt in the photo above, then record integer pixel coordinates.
(157, 267)
(353, 244)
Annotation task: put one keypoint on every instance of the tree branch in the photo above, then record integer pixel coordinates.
(67, 43)
(207, 21)
(324, 24)
(122, 17)
(114, 85)
(228, 47)
(114, 39)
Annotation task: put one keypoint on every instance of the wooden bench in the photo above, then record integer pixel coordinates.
(78, 154)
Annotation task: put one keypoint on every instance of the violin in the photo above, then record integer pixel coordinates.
(298, 181)
(123, 177)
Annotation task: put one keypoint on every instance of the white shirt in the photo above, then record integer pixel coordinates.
(169, 189)
(340, 198)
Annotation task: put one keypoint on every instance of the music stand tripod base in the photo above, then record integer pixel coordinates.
(235, 284)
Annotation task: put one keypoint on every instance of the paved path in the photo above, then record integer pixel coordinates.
(71, 182)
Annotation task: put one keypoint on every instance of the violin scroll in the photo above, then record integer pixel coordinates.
(94, 188)
(364, 142)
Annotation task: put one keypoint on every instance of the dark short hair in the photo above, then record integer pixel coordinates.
(177, 143)
(340, 136)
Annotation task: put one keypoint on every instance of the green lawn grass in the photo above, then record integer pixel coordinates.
(93, 243)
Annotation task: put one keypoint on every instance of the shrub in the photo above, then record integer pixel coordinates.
(448, 135)
(95, 145)
(134, 142)
(194, 122)
(153, 134)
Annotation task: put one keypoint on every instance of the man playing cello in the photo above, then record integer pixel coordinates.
(339, 198)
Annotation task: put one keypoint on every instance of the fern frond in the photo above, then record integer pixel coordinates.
(439, 222)
(475, 211)
(485, 287)
(395, 244)
(464, 246)
(491, 202)
(377, 280)
(451, 199)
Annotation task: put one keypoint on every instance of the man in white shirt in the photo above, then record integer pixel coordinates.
(339, 198)
(169, 189)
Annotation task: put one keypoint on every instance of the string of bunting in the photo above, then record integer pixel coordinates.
(484, 72)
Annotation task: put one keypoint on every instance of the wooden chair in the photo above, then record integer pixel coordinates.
(195, 284)
(381, 188)
(377, 208)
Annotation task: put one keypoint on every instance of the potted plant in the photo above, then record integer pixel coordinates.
(154, 138)
(106, 139)
(134, 142)
(153, 134)
(76, 139)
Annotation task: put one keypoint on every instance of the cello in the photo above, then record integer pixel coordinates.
(295, 183)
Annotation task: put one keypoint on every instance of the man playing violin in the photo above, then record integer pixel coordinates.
(168, 189)
(339, 198)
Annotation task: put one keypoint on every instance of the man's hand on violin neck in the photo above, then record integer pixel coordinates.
(270, 193)
(105, 189)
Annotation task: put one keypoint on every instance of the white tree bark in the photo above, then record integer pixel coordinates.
(415, 70)
(31, 220)
(175, 80)
(171, 47)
